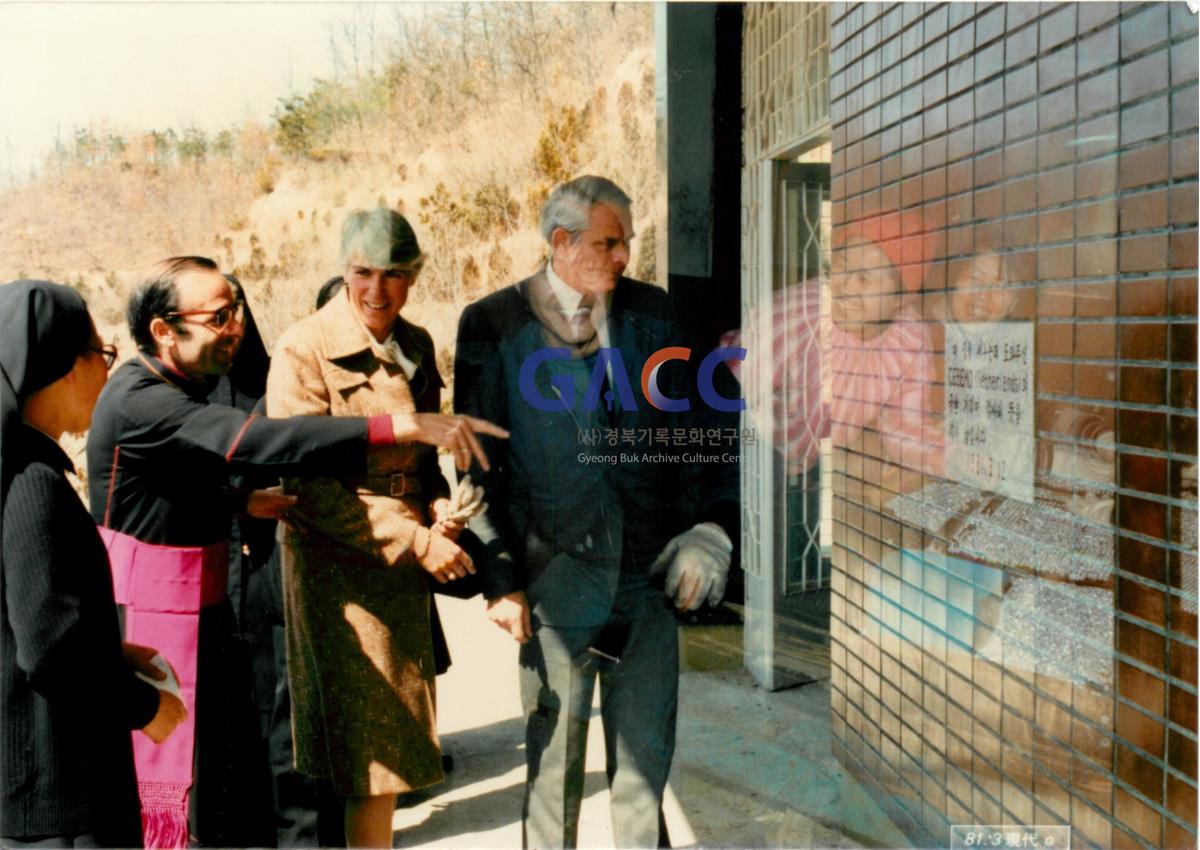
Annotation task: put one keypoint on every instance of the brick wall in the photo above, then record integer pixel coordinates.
(997, 660)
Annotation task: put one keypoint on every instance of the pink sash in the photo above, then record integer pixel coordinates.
(163, 589)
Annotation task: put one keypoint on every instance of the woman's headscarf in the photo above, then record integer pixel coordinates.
(902, 237)
(43, 328)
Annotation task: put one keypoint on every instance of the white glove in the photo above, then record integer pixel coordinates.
(697, 565)
(465, 502)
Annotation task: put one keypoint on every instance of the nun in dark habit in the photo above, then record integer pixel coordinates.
(69, 695)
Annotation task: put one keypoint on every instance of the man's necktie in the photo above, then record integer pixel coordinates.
(583, 329)
(580, 320)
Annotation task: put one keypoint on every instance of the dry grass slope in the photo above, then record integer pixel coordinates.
(465, 119)
(462, 125)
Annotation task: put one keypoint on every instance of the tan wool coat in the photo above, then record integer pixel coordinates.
(357, 605)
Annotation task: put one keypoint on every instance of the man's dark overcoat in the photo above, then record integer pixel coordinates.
(559, 527)
(576, 522)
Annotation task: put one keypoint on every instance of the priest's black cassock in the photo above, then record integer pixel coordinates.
(160, 457)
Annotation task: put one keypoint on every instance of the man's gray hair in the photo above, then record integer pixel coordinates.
(569, 204)
(381, 239)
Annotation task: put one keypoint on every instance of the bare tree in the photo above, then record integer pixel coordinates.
(489, 43)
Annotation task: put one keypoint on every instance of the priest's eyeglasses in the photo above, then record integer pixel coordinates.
(221, 318)
(108, 352)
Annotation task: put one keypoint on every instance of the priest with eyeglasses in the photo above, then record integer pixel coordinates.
(160, 457)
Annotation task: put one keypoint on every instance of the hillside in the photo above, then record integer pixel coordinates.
(461, 117)
(463, 120)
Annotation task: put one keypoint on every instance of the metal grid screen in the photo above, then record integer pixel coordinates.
(785, 73)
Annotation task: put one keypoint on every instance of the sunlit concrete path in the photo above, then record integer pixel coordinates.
(752, 769)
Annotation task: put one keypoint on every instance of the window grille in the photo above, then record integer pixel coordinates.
(785, 75)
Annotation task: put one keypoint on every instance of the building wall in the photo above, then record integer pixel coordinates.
(999, 658)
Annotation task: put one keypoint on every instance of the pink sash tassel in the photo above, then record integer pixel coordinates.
(163, 589)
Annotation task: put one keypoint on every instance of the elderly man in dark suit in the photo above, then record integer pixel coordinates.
(590, 543)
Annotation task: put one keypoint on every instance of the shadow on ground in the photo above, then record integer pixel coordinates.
(752, 768)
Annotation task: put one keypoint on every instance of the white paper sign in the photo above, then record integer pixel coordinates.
(989, 406)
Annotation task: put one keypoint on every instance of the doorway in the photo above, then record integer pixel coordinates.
(788, 611)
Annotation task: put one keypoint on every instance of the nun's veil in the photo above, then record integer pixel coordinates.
(246, 382)
(43, 329)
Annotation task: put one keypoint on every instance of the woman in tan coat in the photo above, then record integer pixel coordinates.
(356, 550)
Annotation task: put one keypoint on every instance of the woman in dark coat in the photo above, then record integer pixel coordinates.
(68, 691)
